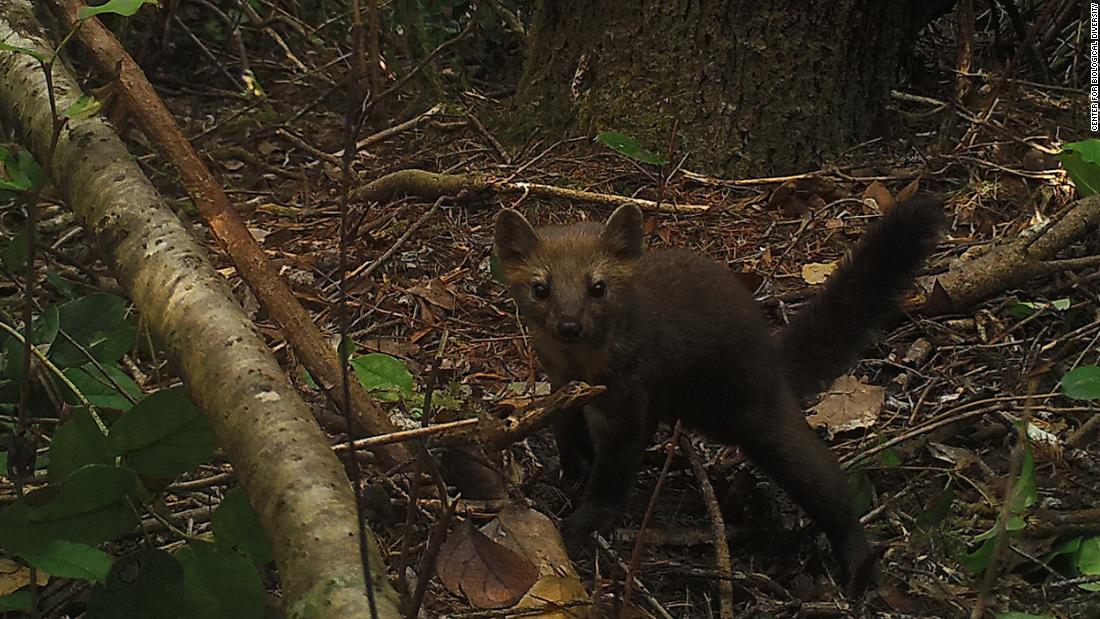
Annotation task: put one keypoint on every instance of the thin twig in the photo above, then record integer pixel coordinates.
(442, 47)
(496, 432)
(642, 589)
(1001, 527)
(639, 540)
(493, 141)
(367, 268)
(718, 529)
(427, 563)
(389, 132)
(352, 122)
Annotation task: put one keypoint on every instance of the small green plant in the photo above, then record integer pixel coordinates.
(629, 147)
(1023, 309)
(115, 441)
(1024, 494)
(1082, 161)
(389, 380)
(1082, 383)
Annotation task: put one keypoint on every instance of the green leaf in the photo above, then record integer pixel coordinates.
(77, 443)
(95, 385)
(125, 8)
(15, 252)
(61, 285)
(47, 326)
(1082, 161)
(39, 56)
(1082, 383)
(92, 506)
(98, 323)
(1024, 492)
(220, 582)
(1088, 561)
(345, 349)
(1069, 546)
(43, 332)
(889, 458)
(237, 527)
(861, 490)
(976, 562)
(628, 146)
(146, 584)
(17, 600)
(163, 435)
(385, 376)
(84, 107)
(70, 560)
(23, 172)
(1023, 309)
(1017, 615)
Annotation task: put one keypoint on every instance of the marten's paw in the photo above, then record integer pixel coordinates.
(860, 570)
(579, 526)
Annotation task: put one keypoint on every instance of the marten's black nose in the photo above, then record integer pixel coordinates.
(569, 329)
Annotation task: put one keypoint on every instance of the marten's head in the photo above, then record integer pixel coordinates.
(568, 280)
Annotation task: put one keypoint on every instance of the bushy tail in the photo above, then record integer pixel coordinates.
(861, 297)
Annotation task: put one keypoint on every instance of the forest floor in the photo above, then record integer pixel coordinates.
(927, 496)
(934, 493)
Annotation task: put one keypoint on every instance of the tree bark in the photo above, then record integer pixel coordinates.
(295, 482)
(759, 88)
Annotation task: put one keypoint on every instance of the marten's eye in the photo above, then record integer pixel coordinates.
(540, 290)
(598, 289)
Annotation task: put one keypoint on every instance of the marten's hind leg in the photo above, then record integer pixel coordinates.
(776, 437)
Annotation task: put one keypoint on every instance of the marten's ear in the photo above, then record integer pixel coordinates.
(515, 239)
(623, 234)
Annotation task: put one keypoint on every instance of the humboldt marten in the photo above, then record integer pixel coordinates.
(674, 335)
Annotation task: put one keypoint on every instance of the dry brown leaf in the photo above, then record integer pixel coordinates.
(435, 292)
(849, 405)
(881, 195)
(485, 572)
(797, 196)
(817, 272)
(14, 576)
(388, 346)
(532, 535)
(960, 457)
(938, 301)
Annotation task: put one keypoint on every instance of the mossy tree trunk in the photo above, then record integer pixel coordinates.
(757, 87)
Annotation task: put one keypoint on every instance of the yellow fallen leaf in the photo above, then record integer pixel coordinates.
(817, 272)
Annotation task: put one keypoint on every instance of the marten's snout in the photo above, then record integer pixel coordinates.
(570, 330)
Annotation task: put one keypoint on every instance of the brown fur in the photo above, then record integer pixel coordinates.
(674, 335)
